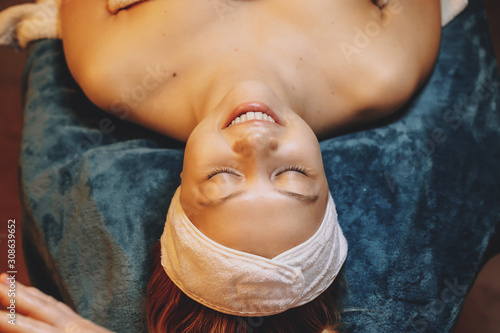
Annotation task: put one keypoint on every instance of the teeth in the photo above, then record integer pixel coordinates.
(252, 116)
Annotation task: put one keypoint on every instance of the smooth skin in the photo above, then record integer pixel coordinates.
(168, 64)
(172, 66)
(255, 186)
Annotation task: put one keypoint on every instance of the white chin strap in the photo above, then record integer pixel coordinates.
(243, 284)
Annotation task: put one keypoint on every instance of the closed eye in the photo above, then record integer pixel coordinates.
(220, 170)
(295, 168)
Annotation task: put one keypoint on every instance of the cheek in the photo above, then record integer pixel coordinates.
(194, 154)
(202, 144)
(309, 153)
(311, 150)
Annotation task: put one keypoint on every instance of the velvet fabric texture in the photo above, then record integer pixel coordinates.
(417, 195)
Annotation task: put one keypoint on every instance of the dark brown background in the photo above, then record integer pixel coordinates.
(481, 312)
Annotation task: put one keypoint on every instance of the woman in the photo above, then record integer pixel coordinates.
(249, 84)
(202, 71)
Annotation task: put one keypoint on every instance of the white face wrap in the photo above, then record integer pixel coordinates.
(244, 284)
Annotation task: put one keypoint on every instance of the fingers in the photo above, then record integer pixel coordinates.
(31, 302)
(17, 323)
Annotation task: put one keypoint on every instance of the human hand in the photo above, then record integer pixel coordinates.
(30, 310)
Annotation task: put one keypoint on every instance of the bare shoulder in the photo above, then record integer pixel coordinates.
(392, 49)
(119, 59)
(103, 50)
(87, 34)
(411, 34)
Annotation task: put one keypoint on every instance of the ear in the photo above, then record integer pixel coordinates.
(181, 175)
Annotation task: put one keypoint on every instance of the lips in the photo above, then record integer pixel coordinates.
(252, 111)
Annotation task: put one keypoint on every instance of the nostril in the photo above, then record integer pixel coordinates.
(274, 145)
(238, 147)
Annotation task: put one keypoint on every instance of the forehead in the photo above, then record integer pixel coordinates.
(259, 223)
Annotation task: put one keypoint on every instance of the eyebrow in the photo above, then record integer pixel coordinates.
(220, 201)
(297, 196)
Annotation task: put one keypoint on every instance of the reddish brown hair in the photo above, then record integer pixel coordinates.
(170, 310)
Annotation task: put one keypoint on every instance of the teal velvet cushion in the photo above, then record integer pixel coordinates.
(417, 195)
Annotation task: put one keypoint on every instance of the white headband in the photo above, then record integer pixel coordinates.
(244, 284)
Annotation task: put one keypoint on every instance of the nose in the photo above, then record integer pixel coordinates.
(255, 142)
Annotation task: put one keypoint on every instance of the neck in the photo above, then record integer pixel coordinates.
(222, 83)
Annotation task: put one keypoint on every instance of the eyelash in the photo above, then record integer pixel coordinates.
(220, 170)
(295, 168)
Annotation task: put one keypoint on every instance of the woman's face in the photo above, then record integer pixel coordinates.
(256, 186)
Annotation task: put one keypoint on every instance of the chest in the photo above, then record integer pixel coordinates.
(184, 47)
